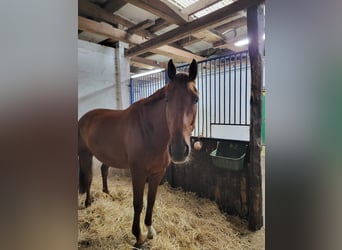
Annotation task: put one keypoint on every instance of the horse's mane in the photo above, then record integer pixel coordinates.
(157, 96)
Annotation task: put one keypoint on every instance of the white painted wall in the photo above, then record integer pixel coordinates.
(97, 85)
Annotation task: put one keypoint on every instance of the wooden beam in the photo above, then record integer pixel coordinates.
(207, 21)
(197, 6)
(188, 41)
(117, 34)
(147, 54)
(210, 37)
(107, 30)
(211, 34)
(237, 23)
(159, 24)
(140, 65)
(114, 5)
(149, 62)
(160, 9)
(215, 51)
(218, 34)
(177, 54)
(141, 26)
(90, 37)
(230, 42)
(176, 11)
(89, 9)
(255, 26)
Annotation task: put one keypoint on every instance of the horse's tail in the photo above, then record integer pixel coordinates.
(84, 166)
(81, 181)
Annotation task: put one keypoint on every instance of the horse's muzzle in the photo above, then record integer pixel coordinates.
(179, 152)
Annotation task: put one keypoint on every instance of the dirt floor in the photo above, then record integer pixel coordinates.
(182, 221)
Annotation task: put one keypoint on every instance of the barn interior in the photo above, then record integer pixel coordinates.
(123, 50)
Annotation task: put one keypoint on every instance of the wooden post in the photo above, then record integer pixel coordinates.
(117, 63)
(255, 29)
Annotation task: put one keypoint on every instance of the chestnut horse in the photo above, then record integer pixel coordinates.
(145, 138)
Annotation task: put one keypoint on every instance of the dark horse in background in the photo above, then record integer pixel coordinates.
(145, 138)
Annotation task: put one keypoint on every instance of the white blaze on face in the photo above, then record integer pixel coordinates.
(187, 128)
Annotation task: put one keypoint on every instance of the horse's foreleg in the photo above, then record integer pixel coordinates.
(138, 194)
(153, 184)
(104, 173)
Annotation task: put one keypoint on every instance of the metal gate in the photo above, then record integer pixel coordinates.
(224, 103)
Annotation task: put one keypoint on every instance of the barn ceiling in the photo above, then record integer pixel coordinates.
(157, 30)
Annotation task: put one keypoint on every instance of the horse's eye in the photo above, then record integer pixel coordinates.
(196, 99)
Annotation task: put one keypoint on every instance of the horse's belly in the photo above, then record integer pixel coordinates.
(113, 158)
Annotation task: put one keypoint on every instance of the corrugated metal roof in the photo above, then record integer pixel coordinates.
(134, 14)
(185, 3)
(211, 8)
(182, 3)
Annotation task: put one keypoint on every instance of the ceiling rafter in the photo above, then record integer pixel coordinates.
(188, 41)
(149, 62)
(107, 30)
(117, 34)
(197, 6)
(214, 52)
(161, 9)
(155, 7)
(159, 24)
(141, 26)
(237, 23)
(114, 5)
(90, 9)
(213, 19)
(218, 33)
(230, 44)
(177, 54)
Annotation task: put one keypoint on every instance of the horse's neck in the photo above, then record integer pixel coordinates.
(155, 114)
(155, 119)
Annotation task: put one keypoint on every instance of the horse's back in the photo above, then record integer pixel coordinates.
(101, 131)
(95, 119)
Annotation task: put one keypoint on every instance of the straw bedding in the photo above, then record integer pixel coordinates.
(182, 221)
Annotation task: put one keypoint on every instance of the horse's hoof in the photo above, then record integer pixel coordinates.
(142, 246)
(151, 232)
(84, 243)
(87, 203)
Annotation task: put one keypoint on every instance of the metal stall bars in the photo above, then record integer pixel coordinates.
(224, 86)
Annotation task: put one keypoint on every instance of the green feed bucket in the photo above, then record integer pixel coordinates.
(229, 155)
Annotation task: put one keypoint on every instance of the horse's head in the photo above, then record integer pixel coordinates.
(181, 108)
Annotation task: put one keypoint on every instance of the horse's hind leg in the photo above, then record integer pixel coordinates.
(153, 183)
(104, 173)
(85, 174)
(138, 181)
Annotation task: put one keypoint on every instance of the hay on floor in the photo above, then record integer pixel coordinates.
(182, 221)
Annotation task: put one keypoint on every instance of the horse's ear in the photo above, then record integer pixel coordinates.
(171, 70)
(193, 70)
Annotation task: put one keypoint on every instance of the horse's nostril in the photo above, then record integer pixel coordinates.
(180, 152)
(186, 150)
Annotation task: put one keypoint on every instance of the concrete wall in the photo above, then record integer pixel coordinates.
(103, 82)
(103, 77)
